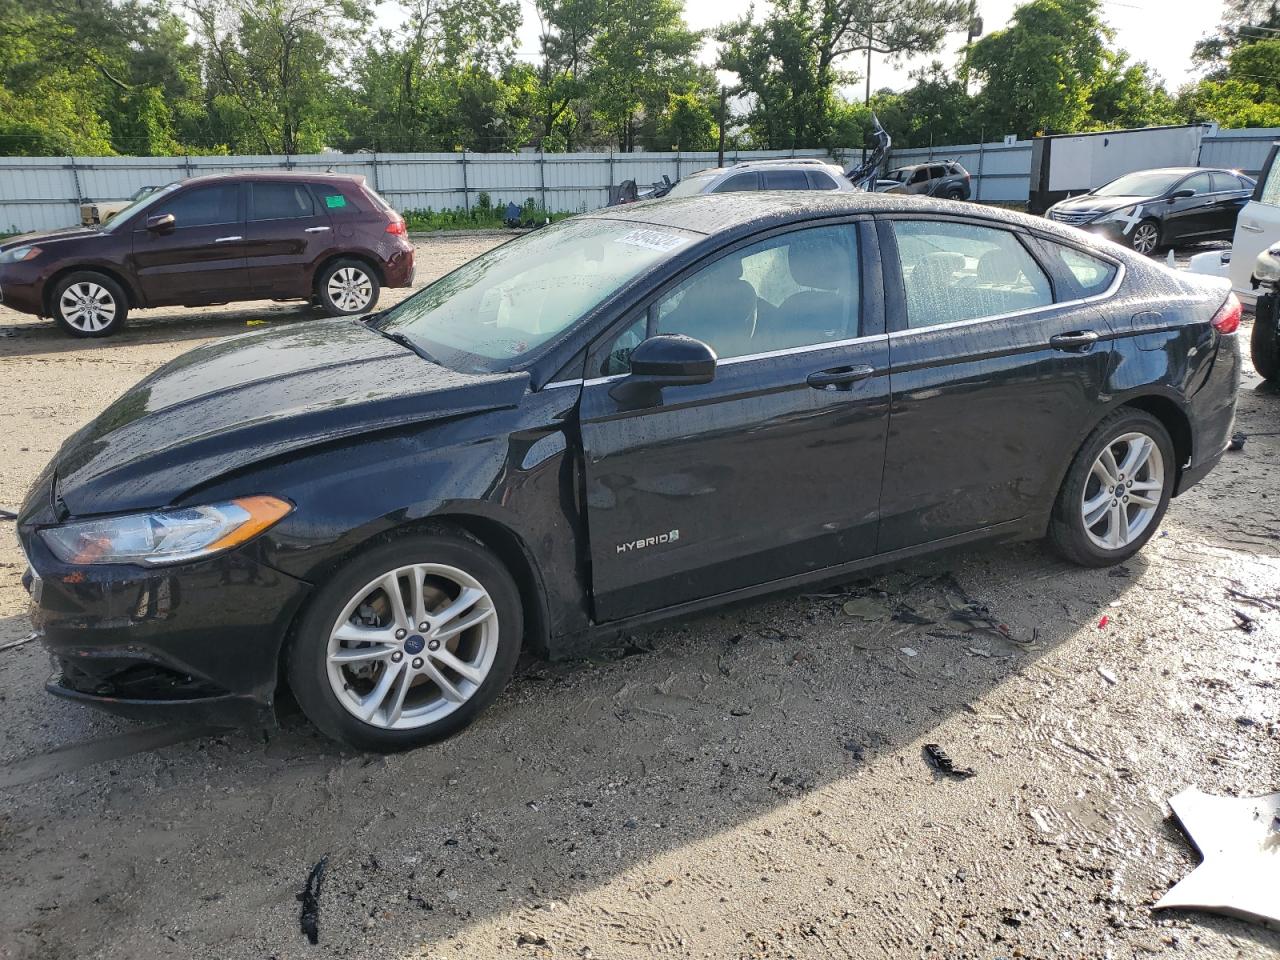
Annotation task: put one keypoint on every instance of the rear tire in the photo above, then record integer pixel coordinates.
(1263, 346)
(384, 680)
(89, 304)
(1099, 522)
(347, 288)
(955, 193)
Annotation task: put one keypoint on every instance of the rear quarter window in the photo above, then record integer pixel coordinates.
(1092, 275)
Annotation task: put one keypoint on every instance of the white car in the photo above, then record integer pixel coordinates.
(1257, 228)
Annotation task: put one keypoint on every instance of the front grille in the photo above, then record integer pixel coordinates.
(1074, 219)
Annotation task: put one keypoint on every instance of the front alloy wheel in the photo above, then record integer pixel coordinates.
(89, 304)
(412, 646)
(407, 642)
(1146, 237)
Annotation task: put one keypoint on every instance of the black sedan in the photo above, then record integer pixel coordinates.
(1154, 208)
(634, 414)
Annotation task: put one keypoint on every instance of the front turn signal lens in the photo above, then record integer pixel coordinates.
(166, 536)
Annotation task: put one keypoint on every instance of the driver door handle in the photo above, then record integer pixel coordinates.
(1076, 340)
(315, 230)
(227, 239)
(838, 377)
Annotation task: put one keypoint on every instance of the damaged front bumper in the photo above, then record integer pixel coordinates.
(196, 642)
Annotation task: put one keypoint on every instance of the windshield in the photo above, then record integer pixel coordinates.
(691, 186)
(1145, 183)
(502, 306)
(138, 205)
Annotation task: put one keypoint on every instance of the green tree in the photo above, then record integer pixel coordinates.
(272, 69)
(1245, 94)
(790, 64)
(1245, 22)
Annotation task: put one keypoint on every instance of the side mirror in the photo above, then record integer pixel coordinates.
(665, 361)
(162, 223)
(1181, 194)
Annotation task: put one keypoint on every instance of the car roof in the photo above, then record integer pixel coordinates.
(930, 163)
(747, 211)
(747, 165)
(305, 176)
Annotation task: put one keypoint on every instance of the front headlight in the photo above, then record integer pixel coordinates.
(1123, 214)
(18, 254)
(165, 536)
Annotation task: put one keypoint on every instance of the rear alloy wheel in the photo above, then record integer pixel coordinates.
(89, 304)
(1116, 491)
(347, 288)
(1145, 238)
(407, 644)
(955, 193)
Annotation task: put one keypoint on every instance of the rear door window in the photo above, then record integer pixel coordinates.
(962, 271)
(338, 201)
(1200, 183)
(280, 201)
(1092, 275)
(740, 181)
(785, 180)
(820, 181)
(1270, 192)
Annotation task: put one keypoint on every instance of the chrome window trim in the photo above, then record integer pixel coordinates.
(1096, 298)
(745, 358)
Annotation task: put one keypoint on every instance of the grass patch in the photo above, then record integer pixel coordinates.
(484, 214)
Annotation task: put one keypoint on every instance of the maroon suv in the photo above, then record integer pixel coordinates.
(327, 238)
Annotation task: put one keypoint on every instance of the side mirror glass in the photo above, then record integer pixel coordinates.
(1181, 194)
(162, 223)
(667, 360)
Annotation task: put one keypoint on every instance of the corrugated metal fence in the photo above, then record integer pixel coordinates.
(1002, 171)
(40, 193)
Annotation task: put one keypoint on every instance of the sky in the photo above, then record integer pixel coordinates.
(1161, 32)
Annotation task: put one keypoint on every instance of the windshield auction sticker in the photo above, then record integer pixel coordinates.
(652, 239)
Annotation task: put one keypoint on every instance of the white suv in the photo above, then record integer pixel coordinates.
(1257, 228)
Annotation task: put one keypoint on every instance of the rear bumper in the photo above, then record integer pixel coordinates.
(1212, 411)
(398, 269)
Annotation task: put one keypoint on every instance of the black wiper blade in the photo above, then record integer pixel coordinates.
(404, 341)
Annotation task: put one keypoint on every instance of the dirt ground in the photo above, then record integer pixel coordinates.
(746, 784)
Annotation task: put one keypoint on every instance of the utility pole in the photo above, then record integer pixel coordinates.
(975, 31)
(866, 102)
(720, 148)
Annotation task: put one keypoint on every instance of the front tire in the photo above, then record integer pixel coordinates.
(1264, 346)
(1145, 238)
(407, 643)
(347, 288)
(89, 304)
(1116, 490)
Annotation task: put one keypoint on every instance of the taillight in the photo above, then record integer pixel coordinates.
(1227, 319)
(397, 227)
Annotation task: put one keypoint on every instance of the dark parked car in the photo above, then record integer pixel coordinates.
(949, 180)
(1154, 208)
(327, 238)
(638, 413)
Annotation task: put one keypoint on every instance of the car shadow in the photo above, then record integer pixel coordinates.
(581, 772)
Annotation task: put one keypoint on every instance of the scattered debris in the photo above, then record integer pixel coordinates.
(7, 515)
(865, 608)
(531, 940)
(1243, 621)
(1102, 624)
(1237, 442)
(1237, 838)
(1259, 601)
(310, 899)
(906, 614)
(17, 643)
(910, 651)
(943, 763)
(1108, 676)
(1120, 571)
(254, 323)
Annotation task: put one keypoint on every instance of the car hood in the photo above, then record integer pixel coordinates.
(1088, 202)
(240, 401)
(48, 236)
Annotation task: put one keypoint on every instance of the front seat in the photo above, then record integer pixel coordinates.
(821, 312)
(718, 308)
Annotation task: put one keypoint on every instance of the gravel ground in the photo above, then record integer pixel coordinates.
(746, 784)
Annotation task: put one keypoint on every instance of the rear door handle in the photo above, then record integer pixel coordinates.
(1251, 227)
(227, 239)
(1076, 340)
(838, 377)
(315, 230)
